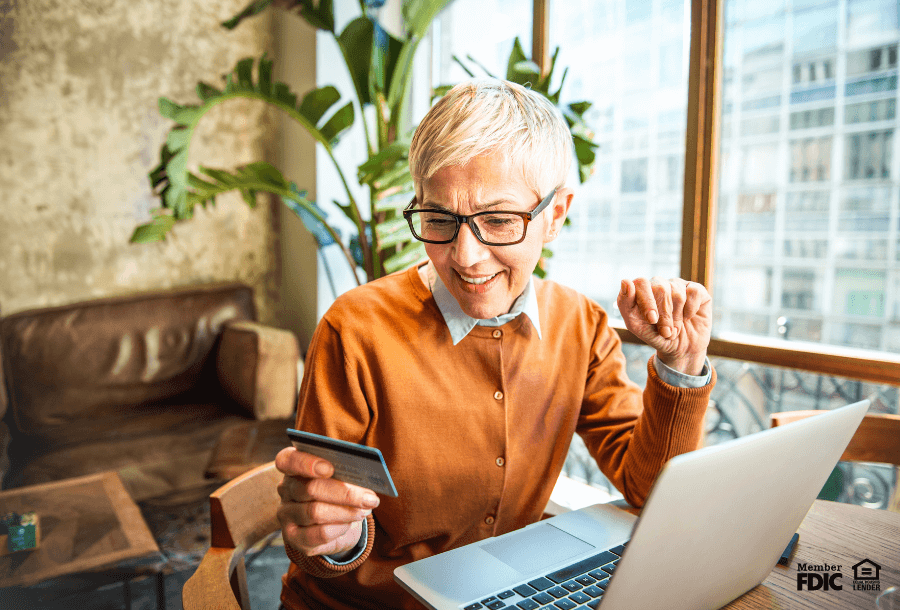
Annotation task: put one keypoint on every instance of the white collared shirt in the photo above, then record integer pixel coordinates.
(459, 324)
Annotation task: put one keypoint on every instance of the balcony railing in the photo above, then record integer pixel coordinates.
(744, 397)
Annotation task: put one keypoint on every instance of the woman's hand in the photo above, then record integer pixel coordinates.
(319, 515)
(673, 316)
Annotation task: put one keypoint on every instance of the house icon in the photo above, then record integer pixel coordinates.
(866, 570)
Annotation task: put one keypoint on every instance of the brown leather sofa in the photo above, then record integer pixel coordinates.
(144, 385)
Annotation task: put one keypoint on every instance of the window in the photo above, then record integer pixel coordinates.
(801, 86)
(811, 159)
(871, 60)
(868, 155)
(633, 203)
(879, 110)
(835, 235)
(793, 239)
(810, 119)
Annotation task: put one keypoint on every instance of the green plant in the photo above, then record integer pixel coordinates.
(380, 66)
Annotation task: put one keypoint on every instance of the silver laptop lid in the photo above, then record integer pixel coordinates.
(717, 519)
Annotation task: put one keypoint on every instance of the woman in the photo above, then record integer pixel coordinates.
(469, 374)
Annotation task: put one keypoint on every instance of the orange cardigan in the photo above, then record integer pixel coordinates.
(475, 435)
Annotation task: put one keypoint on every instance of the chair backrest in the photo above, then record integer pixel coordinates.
(876, 440)
(242, 512)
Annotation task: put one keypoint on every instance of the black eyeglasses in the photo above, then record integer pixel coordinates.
(491, 228)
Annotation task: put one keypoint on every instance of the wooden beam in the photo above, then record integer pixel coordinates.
(701, 142)
(836, 361)
(540, 35)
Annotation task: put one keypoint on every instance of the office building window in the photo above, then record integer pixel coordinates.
(810, 119)
(813, 71)
(860, 248)
(805, 248)
(811, 159)
(807, 211)
(634, 175)
(878, 110)
(868, 155)
(866, 61)
(801, 288)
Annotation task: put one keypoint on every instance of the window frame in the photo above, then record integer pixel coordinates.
(699, 212)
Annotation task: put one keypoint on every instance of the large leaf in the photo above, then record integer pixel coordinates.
(155, 230)
(339, 122)
(252, 9)
(317, 102)
(517, 57)
(355, 43)
(383, 161)
(412, 253)
(385, 61)
(418, 15)
(393, 232)
(318, 228)
(179, 191)
(318, 14)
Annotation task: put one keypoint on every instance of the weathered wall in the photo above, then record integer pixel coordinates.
(79, 130)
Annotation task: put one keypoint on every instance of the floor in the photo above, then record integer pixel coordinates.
(263, 580)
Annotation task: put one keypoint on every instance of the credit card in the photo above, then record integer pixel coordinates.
(356, 464)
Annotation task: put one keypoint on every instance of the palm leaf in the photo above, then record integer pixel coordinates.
(172, 181)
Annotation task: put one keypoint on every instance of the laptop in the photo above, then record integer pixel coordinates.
(714, 525)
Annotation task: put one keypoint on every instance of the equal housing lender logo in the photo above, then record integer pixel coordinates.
(829, 577)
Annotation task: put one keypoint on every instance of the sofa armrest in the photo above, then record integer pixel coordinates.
(258, 366)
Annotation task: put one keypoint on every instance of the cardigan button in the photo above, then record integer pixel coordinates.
(489, 520)
(498, 334)
(500, 461)
(498, 395)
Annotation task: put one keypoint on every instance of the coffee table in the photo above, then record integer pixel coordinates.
(91, 530)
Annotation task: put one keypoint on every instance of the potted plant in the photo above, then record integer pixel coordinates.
(380, 66)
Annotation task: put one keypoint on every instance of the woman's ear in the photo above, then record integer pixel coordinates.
(557, 213)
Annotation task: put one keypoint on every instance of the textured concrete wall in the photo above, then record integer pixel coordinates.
(79, 130)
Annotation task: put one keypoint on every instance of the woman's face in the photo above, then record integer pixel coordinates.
(486, 280)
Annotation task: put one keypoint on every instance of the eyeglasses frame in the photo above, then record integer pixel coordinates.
(462, 219)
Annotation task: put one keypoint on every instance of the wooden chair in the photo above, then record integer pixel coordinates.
(876, 440)
(242, 513)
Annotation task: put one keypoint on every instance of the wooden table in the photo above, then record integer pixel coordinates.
(90, 528)
(840, 534)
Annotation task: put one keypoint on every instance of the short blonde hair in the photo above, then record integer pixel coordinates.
(493, 116)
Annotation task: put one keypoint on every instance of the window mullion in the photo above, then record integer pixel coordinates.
(540, 35)
(701, 141)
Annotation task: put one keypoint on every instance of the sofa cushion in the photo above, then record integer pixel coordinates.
(88, 361)
(165, 450)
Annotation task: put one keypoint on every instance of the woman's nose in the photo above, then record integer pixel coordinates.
(467, 250)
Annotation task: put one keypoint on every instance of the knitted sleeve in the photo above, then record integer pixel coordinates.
(331, 403)
(319, 567)
(632, 434)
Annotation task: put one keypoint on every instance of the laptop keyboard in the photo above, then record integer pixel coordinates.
(580, 585)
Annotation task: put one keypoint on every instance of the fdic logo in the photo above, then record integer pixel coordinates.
(818, 577)
(826, 577)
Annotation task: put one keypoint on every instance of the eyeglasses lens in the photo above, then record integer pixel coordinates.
(498, 228)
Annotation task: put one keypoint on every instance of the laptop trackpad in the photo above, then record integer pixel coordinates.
(536, 548)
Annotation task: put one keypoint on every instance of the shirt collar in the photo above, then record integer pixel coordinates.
(460, 324)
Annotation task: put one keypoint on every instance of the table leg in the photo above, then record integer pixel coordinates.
(126, 593)
(160, 591)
